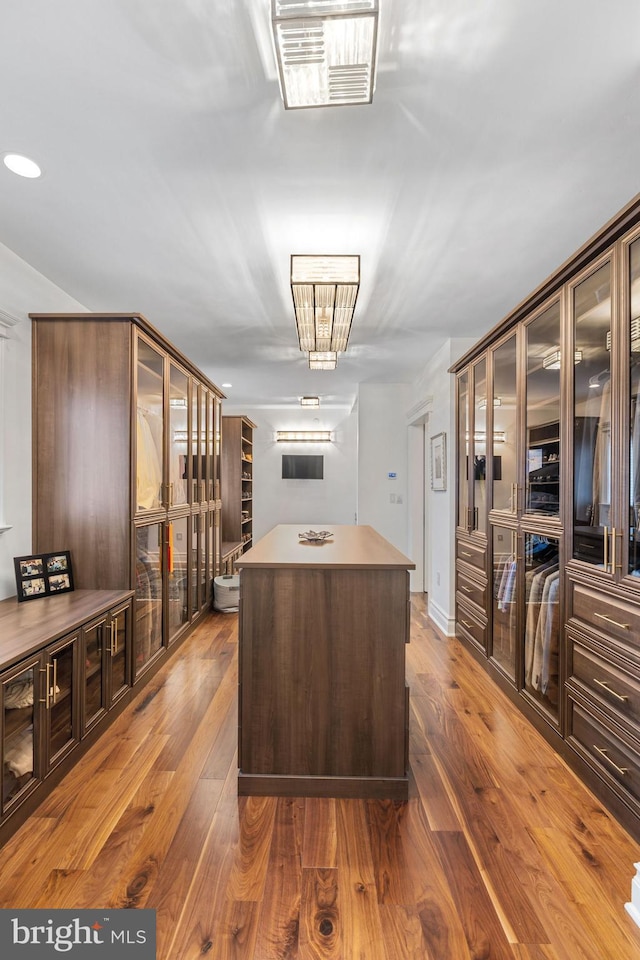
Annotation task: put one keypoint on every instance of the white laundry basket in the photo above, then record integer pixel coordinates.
(226, 593)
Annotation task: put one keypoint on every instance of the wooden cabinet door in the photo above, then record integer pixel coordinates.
(60, 697)
(21, 727)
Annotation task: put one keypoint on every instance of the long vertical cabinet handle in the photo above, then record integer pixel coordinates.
(606, 549)
(45, 699)
(55, 680)
(614, 550)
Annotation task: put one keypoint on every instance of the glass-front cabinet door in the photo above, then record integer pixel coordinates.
(178, 444)
(20, 692)
(504, 598)
(480, 447)
(592, 420)
(177, 576)
(149, 427)
(149, 590)
(631, 563)
(96, 637)
(542, 620)
(62, 729)
(542, 429)
(464, 443)
(504, 446)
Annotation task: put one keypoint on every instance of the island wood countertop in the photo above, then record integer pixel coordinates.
(350, 547)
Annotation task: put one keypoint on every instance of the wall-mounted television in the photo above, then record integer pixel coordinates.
(302, 466)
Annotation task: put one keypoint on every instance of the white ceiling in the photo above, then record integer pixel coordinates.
(502, 135)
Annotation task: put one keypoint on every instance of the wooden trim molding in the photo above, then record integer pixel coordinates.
(7, 321)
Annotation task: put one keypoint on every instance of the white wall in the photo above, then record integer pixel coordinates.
(435, 391)
(383, 450)
(309, 503)
(22, 290)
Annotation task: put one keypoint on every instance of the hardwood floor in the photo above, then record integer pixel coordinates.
(500, 852)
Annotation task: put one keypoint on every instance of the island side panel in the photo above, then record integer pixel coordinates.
(323, 672)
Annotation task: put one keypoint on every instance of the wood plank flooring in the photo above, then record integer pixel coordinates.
(500, 853)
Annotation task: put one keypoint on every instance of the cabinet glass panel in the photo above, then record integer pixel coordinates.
(193, 444)
(149, 427)
(504, 428)
(634, 415)
(542, 489)
(18, 754)
(148, 603)
(202, 561)
(60, 699)
(118, 638)
(210, 447)
(177, 575)
(592, 417)
(463, 450)
(480, 446)
(217, 438)
(194, 575)
(202, 444)
(542, 619)
(95, 638)
(178, 435)
(504, 593)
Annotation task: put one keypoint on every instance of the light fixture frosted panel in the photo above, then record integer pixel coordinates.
(325, 50)
(326, 360)
(324, 290)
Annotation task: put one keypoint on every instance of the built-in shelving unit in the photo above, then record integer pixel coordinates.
(237, 483)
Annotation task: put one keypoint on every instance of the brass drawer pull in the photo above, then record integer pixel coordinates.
(618, 696)
(465, 554)
(622, 770)
(466, 624)
(616, 623)
(466, 589)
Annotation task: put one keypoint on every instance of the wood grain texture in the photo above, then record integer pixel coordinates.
(500, 852)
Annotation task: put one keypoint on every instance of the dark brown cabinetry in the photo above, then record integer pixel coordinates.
(65, 666)
(237, 484)
(549, 465)
(126, 466)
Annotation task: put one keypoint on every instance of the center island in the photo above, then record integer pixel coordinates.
(323, 704)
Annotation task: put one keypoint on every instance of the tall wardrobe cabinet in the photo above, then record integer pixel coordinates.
(126, 468)
(548, 509)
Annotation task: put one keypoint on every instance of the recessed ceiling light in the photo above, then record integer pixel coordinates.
(225, 386)
(23, 166)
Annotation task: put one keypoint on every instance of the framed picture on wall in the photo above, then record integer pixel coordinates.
(439, 462)
(43, 574)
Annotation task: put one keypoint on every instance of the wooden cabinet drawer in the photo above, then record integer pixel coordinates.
(471, 590)
(612, 757)
(607, 614)
(471, 553)
(613, 685)
(471, 626)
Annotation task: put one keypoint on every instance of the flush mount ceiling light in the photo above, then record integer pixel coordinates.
(309, 401)
(324, 290)
(325, 51)
(23, 166)
(552, 360)
(304, 436)
(323, 361)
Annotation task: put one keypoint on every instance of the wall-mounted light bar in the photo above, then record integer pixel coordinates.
(304, 436)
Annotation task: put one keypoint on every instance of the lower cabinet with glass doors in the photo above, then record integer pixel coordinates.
(65, 667)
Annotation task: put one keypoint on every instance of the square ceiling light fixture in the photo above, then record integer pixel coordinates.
(324, 290)
(323, 361)
(309, 401)
(325, 50)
